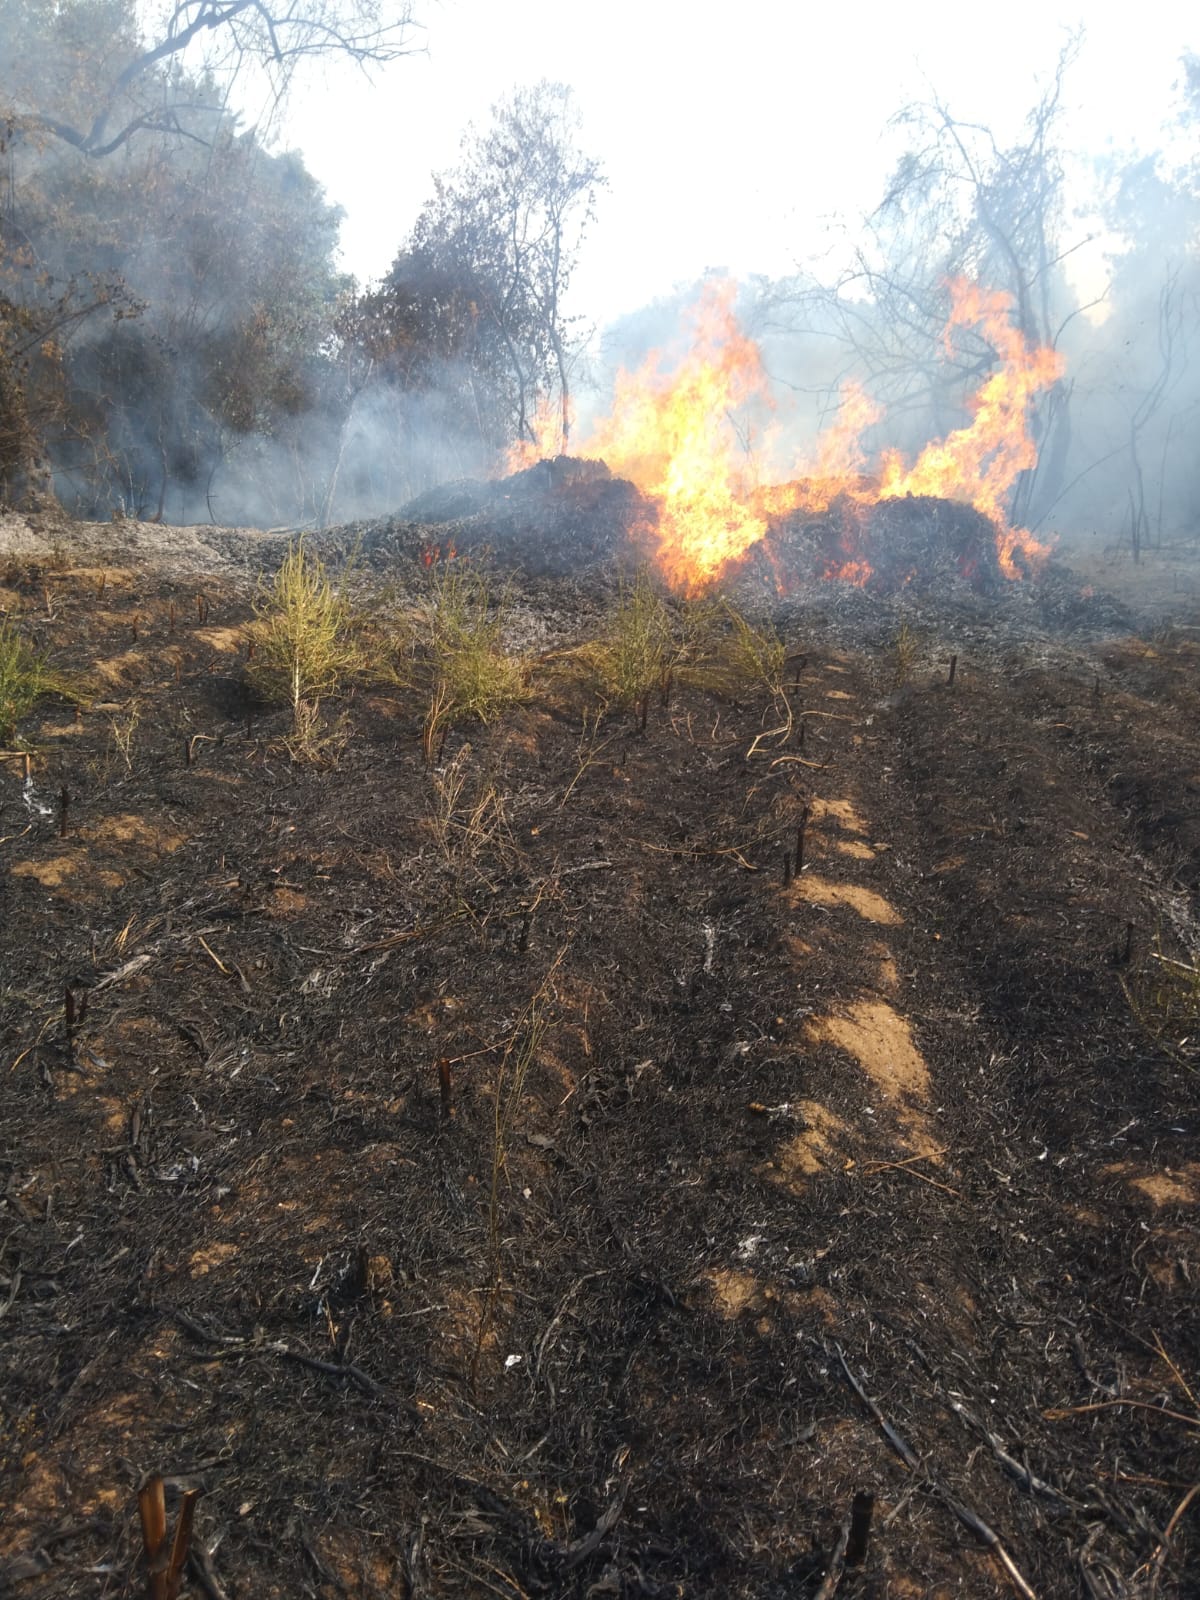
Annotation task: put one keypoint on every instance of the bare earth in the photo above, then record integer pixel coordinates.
(866, 1181)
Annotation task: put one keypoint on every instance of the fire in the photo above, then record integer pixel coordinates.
(980, 463)
(671, 434)
(674, 432)
(545, 442)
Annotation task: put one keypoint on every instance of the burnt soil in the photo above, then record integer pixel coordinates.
(774, 1163)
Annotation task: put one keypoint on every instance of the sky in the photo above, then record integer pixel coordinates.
(732, 136)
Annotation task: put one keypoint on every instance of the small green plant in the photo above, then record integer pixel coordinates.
(25, 677)
(472, 673)
(637, 648)
(304, 645)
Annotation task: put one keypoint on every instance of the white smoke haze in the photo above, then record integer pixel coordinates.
(844, 174)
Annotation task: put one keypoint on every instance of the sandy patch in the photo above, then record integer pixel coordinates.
(54, 874)
(128, 667)
(1178, 1186)
(128, 828)
(870, 906)
(841, 812)
(204, 1261)
(950, 864)
(285, 902)
(227, 641)
(857, 849)
(880, 1041)
(818, 1149)
(734, 1292)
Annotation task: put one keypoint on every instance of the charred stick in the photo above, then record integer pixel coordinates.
(837, 1564)
(953, 669)
(861, 1513)
(64, 803)
(897, 1441)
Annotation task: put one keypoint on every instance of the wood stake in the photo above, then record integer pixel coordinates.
(801, 828)
(953, 668)
(64, 801)
(171, 617)
(447, 1088)
(165, 1564)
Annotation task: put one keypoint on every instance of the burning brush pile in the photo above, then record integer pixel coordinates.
(665, 481)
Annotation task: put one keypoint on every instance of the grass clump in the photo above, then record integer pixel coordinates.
(1164, 996)
(731, 654)
(25, 677)
(470, 671)
(637, 649)
(304, 647)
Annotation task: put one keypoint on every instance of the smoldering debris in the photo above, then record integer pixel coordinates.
(568, 516)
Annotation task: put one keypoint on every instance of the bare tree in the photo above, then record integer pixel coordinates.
(545, 188)
(510, 220)
(959, 204)
(214, 40)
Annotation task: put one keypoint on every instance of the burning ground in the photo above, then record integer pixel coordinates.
(582, 1163)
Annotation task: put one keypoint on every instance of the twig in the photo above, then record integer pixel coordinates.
(965, 1515)
(1164, 1548)
(898, 1443)
(837, 1565)
(904, 1166)
(1057, 1413)
(989, 1537)
(216, 958)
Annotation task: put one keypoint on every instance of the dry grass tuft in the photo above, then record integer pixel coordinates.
(1164, 996)
(304, 647)
(25, 678)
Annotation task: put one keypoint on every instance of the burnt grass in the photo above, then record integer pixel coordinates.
(863, 1182)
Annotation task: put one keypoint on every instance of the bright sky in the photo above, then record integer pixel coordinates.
(730, 134)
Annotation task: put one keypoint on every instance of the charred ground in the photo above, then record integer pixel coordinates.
(771, 1150)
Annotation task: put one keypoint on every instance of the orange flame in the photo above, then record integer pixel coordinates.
(674, 433)
(980, 463)
(671, 434)
(546, 428)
